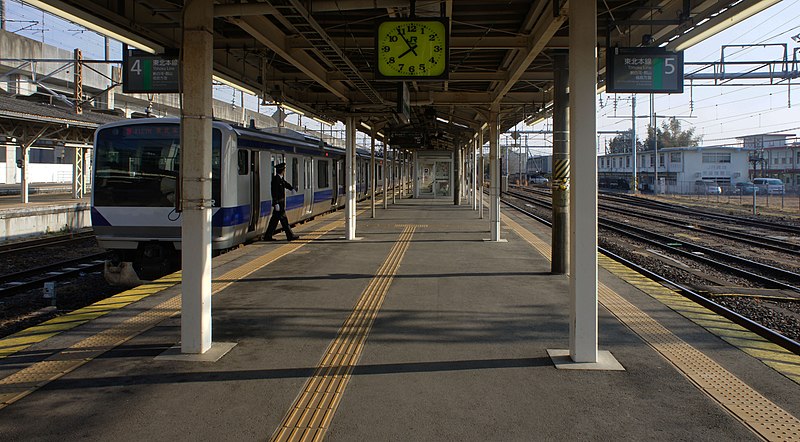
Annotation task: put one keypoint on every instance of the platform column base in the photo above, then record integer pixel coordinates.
(213, 354)
(605, 361)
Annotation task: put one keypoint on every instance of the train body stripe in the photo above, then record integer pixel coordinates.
(231, 216)
(323, 195)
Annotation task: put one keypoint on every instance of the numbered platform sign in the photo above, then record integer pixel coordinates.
(146, 73)
(644, 70)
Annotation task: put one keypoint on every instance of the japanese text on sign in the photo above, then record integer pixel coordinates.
(646, 70)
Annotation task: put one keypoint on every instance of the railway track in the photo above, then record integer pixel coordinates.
(761, 240)
(758, 328)
(767, 275)
(675, 208)
(33, 244)
(17, 282)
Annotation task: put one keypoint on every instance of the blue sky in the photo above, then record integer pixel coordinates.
(722, 113)
(717, 113)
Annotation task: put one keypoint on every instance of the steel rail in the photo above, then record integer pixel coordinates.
(760, 241)
(32, 278)
(765, 332)
(19, 246)
(663, 242)
(687, 211)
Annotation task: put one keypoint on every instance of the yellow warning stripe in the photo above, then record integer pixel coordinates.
(38, 333)
(772, 355)
(751, 407)
(309, 417)
(560, 169)
(27, 380)
(763, 416)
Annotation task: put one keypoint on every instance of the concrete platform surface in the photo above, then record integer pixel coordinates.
(419, 331)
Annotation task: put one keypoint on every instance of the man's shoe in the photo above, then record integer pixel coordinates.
(269, 238)
(294, 237)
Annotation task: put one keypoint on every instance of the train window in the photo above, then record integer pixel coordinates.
(295, 172)
(242, 162)
(138, 164)
(322, 174)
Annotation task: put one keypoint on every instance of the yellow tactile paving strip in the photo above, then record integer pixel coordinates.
(756, 411)
(29, 379)
(32, 335)
(310, 416)
(775, 356)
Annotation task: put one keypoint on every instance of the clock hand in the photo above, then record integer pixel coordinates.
(410, 49)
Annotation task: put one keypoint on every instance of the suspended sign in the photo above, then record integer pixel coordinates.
(146, 73)
(403, 110)
(644, 70)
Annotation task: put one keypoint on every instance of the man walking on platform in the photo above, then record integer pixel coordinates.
(278, 187)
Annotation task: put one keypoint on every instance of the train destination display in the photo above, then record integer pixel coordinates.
(148, 73)
(644, 70)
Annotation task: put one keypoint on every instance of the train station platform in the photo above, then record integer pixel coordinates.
(420, 330)
(50, 208)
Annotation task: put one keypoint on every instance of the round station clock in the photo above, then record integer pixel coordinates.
(412, 49)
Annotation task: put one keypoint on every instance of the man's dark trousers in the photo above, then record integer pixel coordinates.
(279, 214)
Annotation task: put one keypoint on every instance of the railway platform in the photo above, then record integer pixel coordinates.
(419, 330)
(50, 208)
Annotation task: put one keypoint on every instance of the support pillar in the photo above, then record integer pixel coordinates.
(403, 174)
(494, 174)
(457, 176)
(583, 198)
(25, 148)
(385, 179)
(350, 180)
(198, 53)
(481, 172)
(23, 174)
(475, 187)
(394, 176)
(560, 184)
(77, 172)
(372, 180)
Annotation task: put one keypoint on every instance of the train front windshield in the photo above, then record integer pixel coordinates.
(138, 165)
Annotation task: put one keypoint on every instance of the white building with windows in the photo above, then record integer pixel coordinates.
(679, 169)
(775, 156)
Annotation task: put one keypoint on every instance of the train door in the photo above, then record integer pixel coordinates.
(243, 185)
(255, 191)
(335, 182)
(308, 185)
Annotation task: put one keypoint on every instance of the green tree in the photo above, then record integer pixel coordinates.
(622, 143)
(670, 134)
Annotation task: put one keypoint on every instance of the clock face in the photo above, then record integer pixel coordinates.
(412, 48)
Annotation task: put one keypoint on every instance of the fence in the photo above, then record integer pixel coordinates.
(727, 193)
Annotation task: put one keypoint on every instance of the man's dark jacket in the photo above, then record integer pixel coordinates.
(279, 186)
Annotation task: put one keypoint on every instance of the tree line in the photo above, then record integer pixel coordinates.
(670, 134)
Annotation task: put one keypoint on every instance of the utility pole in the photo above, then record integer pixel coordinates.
(655, 143)
(635, 183)
(78, 81)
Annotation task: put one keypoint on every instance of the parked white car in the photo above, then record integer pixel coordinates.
(772, 186)
(539, 180)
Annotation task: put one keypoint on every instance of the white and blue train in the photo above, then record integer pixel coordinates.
(135, 172)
